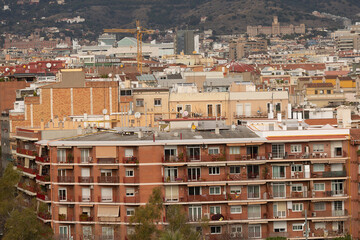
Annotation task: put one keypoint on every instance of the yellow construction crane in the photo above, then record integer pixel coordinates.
(139, 32)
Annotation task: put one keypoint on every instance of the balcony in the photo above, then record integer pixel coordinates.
(65, 179)
(43, 178)
(108, 198)
(170, 158)
(335, 193)
(63, 217)
(31, 171)
(332, 213)
(329, 174)
(27, 152)
(42, 196)
(130, 160)
(85, 179)
(85, 160)
(131, 180)
(107, 160)
(173, 179)
(31, 190)
(85, 199)
(65, 160)
(132, 199)
(42, 159)
(66, 198)
(213, 157)
(44, 216)
(108, 179)
(85, 218)
(193, 157)
(205, 197)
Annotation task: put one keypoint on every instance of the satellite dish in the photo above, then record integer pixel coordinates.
(104, 111)
(110, 75)
(7, 69)
(185, 114)
(48, 65)
(181, 111)
(137, 115)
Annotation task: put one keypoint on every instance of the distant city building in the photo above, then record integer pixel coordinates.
(243, 47)
(184, 42)
(275, 29)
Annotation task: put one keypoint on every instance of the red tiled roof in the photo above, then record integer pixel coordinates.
(316, 85)
(322, 121)
(345, 78)
(239, 67)
(305, 66)
(355, 133)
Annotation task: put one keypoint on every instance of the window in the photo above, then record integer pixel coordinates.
(125, 93)
(214, 150)
(253, 191)
(254, 231)
(319, 167)
(193, 153)
(279, 190)
(218, 110)
(254, 211)
(235, 189)
(279, 210)
(130, 211)
(85, 155)
(171, 173)
(235, 169)
(157, 102)
(337, 187)
(319, 186)
(210, 110)
(215, 229)
(214, 170)
(320, 225)
(252, 151)
(214, 190)
(319, 206)
(62, 194)
(105, 172)
(318, 147)
(316, 91)
(234, 150)
(338, 167)
(61, 155)
(63, 231)
(130, 192)
(170, 154)
(129, 152)
(129, 172)
(235, 209)
(296, 168)
(194, 173)
(106, 194)
(297, 227)
(139, 102)
(85, 191)
(194, 191)
(296, 148)
(107, 233)
(328, 91)
(215, 210)
(280, 226)
(278, 150)
(236, 228)
(87, 232)
(296, 187)
(194, 212)
(297, 207)
(278, 172)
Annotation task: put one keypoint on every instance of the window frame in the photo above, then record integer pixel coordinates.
(215, 190)
(214, 170)
(157, 102)
(295, 227)
(296, 148)
(319, 184)
(239, 207)
(297, 207)
(216, 228)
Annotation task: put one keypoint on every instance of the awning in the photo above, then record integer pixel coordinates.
(319, 161)
(64, 147)
(105, 152)
(235, 144)
(216, 164)
(256, 203)
(236, 203)
(65, 167)
(109, 167)
(174, 164)
(84, 146)
(108, 211)
(280, 164)
(86, 205)
(215, 184)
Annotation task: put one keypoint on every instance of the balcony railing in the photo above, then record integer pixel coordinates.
(132, 199)
(27, 187)
(42, 196)
(193, 157)
(42, 159)
(65, 160)
(66, 179)
(108, 179)
(85, 159)
(85, 218)
(45, 216)
(169, 158)
(27, 170)
(130, 180)
(43, 178)
(85, 199)
(107, 160)
(130, 160)
(63, 217)
(174, 179)
(204, 197)
(67, 198)
(85, 179)
(26, 152)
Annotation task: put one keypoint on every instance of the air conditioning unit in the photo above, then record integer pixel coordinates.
(313, 214)
(92, 187)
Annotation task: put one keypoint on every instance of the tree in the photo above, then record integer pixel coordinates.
(178, 226)
(18, 217)
(145, 218)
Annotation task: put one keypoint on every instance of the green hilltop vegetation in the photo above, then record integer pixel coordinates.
(223, 16)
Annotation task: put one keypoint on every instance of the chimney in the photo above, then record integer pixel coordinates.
(217, 129)
(140, 134)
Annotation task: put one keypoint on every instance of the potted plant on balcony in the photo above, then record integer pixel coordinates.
(70, 158)
(62, 217)
(84, 217)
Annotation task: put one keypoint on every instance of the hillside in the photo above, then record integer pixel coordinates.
(224, 16)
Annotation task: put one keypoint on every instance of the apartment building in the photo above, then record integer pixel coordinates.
(250, 184)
